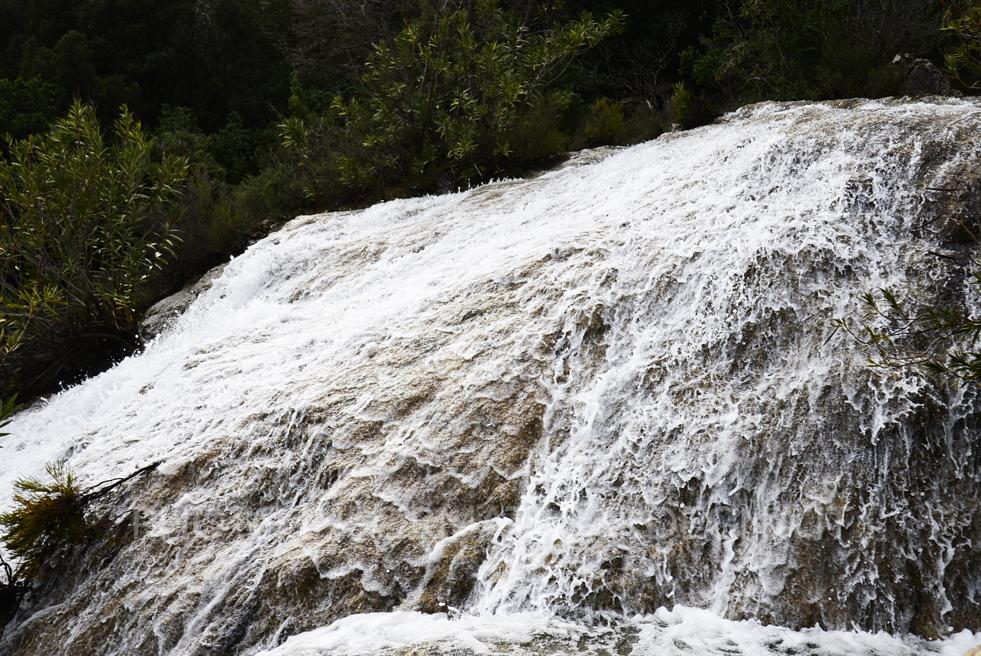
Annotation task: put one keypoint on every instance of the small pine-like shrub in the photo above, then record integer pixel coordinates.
(681, 105)
(48, 524)
(48, 519)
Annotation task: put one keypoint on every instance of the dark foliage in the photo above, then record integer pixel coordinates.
(11, 592)
(27, 106)
(812, 49)
(458, 96)
(215, 57)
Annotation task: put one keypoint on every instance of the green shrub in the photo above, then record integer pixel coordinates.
(460, 95)
(178, 134)
(681, 105)
(85, 222)
(271, 195)
(604, 123)
(236, 148)
(48, 525)
(644, 122)
(229, 155)
(237, 187)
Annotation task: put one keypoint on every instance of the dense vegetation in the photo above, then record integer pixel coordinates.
(85, 224)
(455, 97)
(255, 110)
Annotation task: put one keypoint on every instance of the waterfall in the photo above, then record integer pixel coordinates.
(607, 404)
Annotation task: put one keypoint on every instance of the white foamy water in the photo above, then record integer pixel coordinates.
(683, 631)
(555, 405)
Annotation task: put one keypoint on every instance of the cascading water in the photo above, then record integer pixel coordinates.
(552, 407)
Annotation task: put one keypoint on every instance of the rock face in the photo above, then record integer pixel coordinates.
(922, 77)
(608, 389)
(163, 313)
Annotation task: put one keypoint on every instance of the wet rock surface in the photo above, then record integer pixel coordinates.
(593, 393)
(165, 311)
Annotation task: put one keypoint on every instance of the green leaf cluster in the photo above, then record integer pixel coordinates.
(941, 338)
(963, 56)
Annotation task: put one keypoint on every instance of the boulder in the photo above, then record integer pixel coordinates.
(922, 77)
(162, 314)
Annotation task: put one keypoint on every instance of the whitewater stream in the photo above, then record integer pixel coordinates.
(602, 410)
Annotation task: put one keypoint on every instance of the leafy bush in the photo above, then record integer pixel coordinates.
(85, 224)
(460, 95)
(179, 134)
(222, 219)
(271, 195)
(237, 187)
